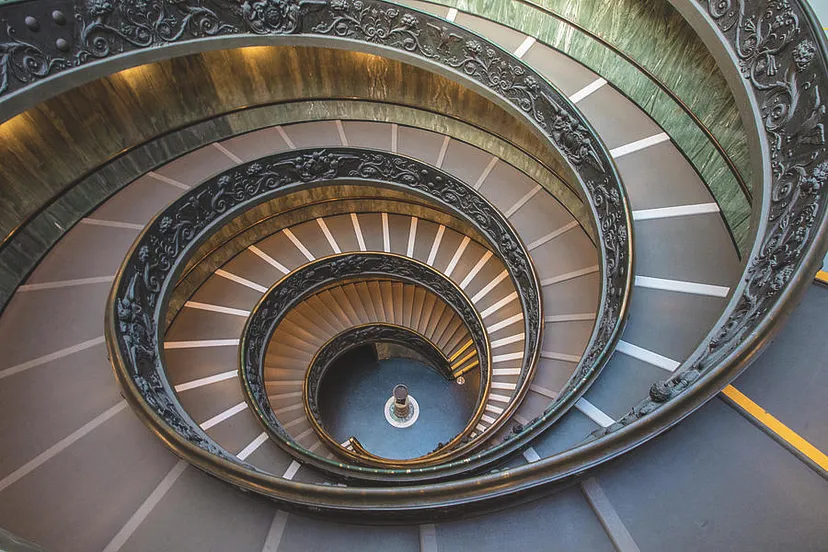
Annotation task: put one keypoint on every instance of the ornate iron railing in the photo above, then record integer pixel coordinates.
(765, 38)
(162, 251)
(98, 32)
(649, 74)
(20, 251)
(338, 269)
(778, 46)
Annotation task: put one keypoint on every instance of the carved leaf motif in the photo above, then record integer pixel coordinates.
(774, 49)
(103, 28)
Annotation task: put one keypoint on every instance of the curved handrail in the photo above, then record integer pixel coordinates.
(161, 252)
(143, 282)
(744, 187)
(793, 234)
(789, 247)
(376, 26)
(338, 269)
(731, 165)
(7, 240)
(19, 268)
(385, 27)
(347, 340)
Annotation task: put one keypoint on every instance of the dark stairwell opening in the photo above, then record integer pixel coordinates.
(358, 384)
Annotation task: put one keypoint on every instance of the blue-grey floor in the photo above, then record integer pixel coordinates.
(357, 387)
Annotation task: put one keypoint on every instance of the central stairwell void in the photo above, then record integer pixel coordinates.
(355, 274)
(358, 391)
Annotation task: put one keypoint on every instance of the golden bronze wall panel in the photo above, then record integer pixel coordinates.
(57, 142)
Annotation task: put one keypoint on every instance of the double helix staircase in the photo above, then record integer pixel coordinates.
(574, 388)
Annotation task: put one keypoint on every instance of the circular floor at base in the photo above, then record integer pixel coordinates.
(354, 393)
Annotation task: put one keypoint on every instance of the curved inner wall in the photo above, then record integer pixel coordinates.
(135, 105)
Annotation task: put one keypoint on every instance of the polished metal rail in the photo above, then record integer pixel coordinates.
(364, 334)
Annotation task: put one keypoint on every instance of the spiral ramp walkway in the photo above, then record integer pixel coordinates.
(744, 470)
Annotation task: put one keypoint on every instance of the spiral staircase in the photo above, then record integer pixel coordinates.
(568, 227)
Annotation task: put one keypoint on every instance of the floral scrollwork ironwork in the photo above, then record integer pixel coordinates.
(315, 276)
(104, 28)
(163, 249)
(776, 53)
(108, 27)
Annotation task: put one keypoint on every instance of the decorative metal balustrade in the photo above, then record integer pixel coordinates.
(162, 252)
(781, 53)
(315, 276)
(779, 50)
(101, 31)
